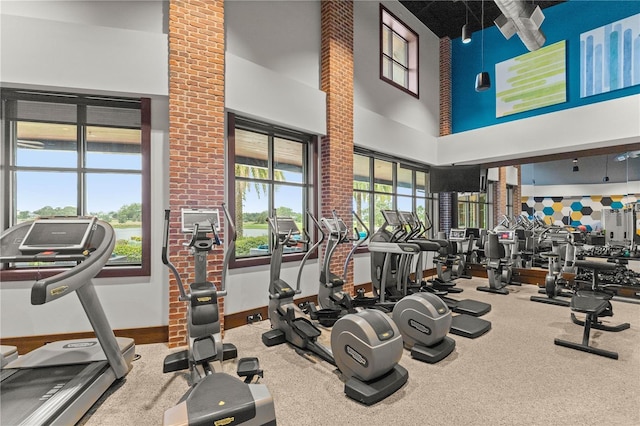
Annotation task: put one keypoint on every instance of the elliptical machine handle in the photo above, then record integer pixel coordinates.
(230, 249)
(165, 258)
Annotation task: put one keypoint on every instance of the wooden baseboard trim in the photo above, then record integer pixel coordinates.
(147, 335)
(141, 336)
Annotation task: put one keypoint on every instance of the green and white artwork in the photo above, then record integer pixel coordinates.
(533, 80)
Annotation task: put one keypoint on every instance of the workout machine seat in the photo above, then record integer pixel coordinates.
(594, 304)
(495, 253)
(592, 307)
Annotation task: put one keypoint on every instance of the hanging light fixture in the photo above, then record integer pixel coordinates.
(483, 81)
(575, 165)
(606, 170)
(466, 34)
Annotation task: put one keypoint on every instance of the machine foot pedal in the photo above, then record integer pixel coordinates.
(176, 362)
(273, 337)
(435, 353)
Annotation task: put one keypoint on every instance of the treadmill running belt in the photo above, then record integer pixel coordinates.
(27, 390)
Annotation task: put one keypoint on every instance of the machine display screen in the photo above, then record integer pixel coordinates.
(391, 216)
(506, 236)
(457, 234)
(59, 235)
(204, 218)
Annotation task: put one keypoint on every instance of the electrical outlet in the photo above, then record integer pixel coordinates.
(254, 317)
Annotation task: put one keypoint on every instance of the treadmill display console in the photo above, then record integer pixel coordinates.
(58, 235)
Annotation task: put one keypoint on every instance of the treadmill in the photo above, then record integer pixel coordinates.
(59, 382)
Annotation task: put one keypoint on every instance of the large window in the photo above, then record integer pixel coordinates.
(76, 155)
(475, 209)
(382, 183)
(398, 53)
(273, 171)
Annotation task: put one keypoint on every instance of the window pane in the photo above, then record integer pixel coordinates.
(288, 157)
(421, 184)
(421, 205)
(113, 116)
(405, 204)
(361, 172)
(386, 45)
(405, 181)
(122, 209)
(252, 155)
(362, 206)
(289, 202)
(252, 210)
(399, 75)
(46, 111)
(381, 202)
(46, 145)
(46, 194)
(400, 49)
(111, 148)
(383, 176)
(386, 67)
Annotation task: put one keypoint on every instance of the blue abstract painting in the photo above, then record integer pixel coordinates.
(610, 57)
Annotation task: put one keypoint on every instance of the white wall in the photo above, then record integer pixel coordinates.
(387, 119)
(604, 124)
(92, 47)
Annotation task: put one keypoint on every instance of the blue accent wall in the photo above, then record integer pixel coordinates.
(566, 21)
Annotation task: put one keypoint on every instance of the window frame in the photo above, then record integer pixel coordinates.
(471, 207)
(398, 27)
(310, 184)
(8, 219)
(430, 199)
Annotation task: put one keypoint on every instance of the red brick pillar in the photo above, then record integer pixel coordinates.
(517, 193)
(336, 80)
(196, 135)
(500, 196)
(447, 208)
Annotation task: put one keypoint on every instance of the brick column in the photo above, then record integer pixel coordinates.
(196, 135)
(517, 194)
(445, 199)
(500, 195)
(336, 158)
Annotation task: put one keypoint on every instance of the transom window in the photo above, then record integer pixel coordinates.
(272, 172)
(398, 53)
(77, 155)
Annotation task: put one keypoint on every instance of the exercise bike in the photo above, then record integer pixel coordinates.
(213, 397)
(365, 346)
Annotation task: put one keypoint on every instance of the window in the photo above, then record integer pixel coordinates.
(273, 170)
(74, 155)
(381, 183)
(509, 206)
(398, 53)
(474, 209)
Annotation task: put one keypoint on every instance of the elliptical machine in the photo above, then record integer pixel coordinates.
(213, 397)
(365, 346)
(423, 319)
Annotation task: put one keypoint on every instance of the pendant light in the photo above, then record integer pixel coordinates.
(606, 170)
(466, 34)
(483, 81)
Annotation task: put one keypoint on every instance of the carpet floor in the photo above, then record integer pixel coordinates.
(513, 375)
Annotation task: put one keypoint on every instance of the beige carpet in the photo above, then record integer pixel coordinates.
(514, 375)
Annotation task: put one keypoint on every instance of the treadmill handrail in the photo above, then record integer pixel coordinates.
(47, 289)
